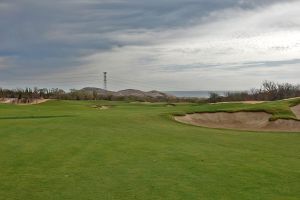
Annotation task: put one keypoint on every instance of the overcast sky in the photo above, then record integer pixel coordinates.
(143, 44)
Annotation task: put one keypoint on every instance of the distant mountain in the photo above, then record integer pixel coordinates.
(99, 91)
(131, 92)
(156, 94)
(128, 93)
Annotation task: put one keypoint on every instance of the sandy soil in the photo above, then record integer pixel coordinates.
(13, 101)
(104, 107)
(296, 110)
(252, 121)
(247, 102)
(101, 107)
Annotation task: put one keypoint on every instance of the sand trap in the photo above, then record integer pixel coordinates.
(100, 107)
(252, 121)
(246, 102)
(15, 101)
(104, 107)
(170, 105)
(296, 110)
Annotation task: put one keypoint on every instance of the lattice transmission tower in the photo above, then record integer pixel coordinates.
(105, 80)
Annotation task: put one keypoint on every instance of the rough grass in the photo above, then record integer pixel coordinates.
(69, 150)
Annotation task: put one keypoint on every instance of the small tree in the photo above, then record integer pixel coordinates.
(214, 97)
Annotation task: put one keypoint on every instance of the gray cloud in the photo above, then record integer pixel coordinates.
(233, 66)
(40, 38)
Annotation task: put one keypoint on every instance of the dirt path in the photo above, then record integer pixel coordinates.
(252, 121)
(296, 110)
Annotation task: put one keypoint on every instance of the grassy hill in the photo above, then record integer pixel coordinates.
(74, 150)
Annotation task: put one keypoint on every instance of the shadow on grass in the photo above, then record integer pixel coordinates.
(36, 117)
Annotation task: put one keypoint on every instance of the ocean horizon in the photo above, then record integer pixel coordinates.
(198, 94)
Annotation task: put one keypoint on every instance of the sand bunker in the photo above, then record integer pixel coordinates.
(246, 102)
(16, 101)
(101, 107)
(104, 107)
(252, 121)
(296, 110)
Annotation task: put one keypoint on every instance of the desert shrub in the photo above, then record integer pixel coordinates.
(269, 91)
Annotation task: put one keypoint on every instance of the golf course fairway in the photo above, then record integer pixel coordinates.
(77, 151)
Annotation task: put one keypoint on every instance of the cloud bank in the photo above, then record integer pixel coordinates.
(166, 45)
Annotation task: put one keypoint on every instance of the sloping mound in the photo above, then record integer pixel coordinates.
(296, 110)
(252, 121)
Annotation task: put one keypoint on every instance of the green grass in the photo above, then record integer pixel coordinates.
(278, 109)
(70, 150)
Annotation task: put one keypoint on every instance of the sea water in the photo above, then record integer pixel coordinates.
(199, 94)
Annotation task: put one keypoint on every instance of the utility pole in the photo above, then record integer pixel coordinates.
(105, 80)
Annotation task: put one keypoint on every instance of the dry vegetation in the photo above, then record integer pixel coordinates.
(269, 91)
